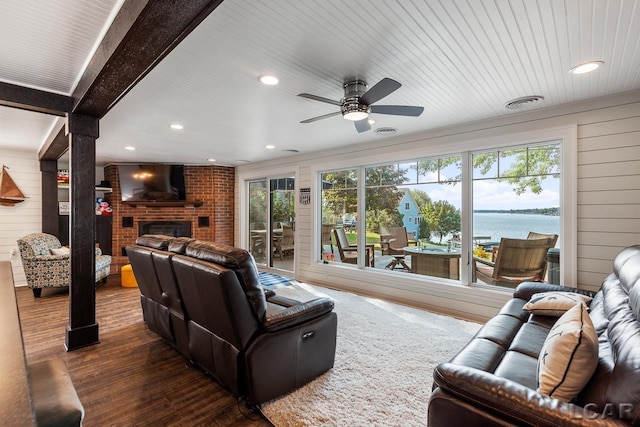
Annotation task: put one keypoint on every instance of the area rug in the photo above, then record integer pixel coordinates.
(383, 371)
(272, 281)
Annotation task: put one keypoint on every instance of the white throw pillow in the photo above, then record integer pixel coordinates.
(59, 251)
(554, 303)
(569, 355)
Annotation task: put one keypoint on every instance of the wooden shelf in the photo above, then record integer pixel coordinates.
(172, 204)
(103, 189)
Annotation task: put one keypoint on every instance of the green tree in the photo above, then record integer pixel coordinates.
(424, 232)
(339, 195)
(528, 167)
(442, 218)
(258, 205)
(385, 218)
(282, 207)
(382, 194)
(421, 198)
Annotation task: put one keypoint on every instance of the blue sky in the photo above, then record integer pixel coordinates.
(491, 194)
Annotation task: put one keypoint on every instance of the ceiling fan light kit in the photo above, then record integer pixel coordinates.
(353, 110)
(357, 103)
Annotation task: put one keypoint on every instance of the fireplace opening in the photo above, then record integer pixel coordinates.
(168, 228)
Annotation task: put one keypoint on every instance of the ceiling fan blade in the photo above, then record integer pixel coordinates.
(362, 125)
(320, 98)
(397, 110)
(381, 89)
(326, 116)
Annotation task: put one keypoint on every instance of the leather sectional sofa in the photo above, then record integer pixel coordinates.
(206, 300)
(494, 379)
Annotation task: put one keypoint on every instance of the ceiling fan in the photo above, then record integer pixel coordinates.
(357, 103)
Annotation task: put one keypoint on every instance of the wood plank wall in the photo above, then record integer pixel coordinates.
(608, 191)
(25, 217)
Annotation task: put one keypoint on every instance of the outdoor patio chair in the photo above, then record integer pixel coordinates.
(517, 261)
(349, 253)
(284, 243)
(534, 235)
(396, 244)
(325, 237)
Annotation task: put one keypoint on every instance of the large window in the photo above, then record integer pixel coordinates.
(339, 204)
(414, 210)
(428, 189)
(516, 194)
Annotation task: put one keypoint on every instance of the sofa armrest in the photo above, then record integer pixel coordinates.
(46, 258)
(283, 301)
(297, 314)
(526, 289)
(505, 398)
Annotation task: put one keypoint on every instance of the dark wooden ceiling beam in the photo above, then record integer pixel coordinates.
(56, 145)
(142, 34)
(36, 100)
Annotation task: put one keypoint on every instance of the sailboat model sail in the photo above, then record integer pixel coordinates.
(10, 194)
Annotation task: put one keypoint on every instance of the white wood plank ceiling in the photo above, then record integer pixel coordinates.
(460, 59)
(46, 45)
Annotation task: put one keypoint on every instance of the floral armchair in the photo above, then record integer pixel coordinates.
(46, 263)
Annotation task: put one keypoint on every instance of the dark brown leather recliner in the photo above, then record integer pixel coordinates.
(493, 380)
(257, 344)
(162, 307)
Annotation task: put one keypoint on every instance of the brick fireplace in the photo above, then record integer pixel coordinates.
(212, 221)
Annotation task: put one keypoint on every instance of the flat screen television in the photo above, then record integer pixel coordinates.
(152, 183)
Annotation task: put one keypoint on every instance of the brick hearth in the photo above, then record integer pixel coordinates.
(213, 185)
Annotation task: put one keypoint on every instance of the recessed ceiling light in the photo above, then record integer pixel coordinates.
(587, 67)
(176, 126)
(269, 147)
(211, 160)
(130, 148)
(268, 80)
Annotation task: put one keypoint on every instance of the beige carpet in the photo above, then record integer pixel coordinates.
(385, 357)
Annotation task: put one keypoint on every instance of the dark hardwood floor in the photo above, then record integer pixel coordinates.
(132, 378)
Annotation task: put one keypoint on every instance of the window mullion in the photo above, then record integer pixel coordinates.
(466, 217)
(360, 217)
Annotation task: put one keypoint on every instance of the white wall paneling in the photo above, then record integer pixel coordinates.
(25, 217)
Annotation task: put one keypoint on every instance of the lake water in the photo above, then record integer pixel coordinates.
(497, 225)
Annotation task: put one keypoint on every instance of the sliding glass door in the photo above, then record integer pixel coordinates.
(283, 224)
(271, 224)
(258, 220)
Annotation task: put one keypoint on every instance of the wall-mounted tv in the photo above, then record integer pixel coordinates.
(152, 183)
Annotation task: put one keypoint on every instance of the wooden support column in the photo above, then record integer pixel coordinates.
(82, 330)
(49, 169)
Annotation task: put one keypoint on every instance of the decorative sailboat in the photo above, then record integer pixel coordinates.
(10, 194)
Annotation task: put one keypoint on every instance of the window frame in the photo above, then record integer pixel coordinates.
(566, 137)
